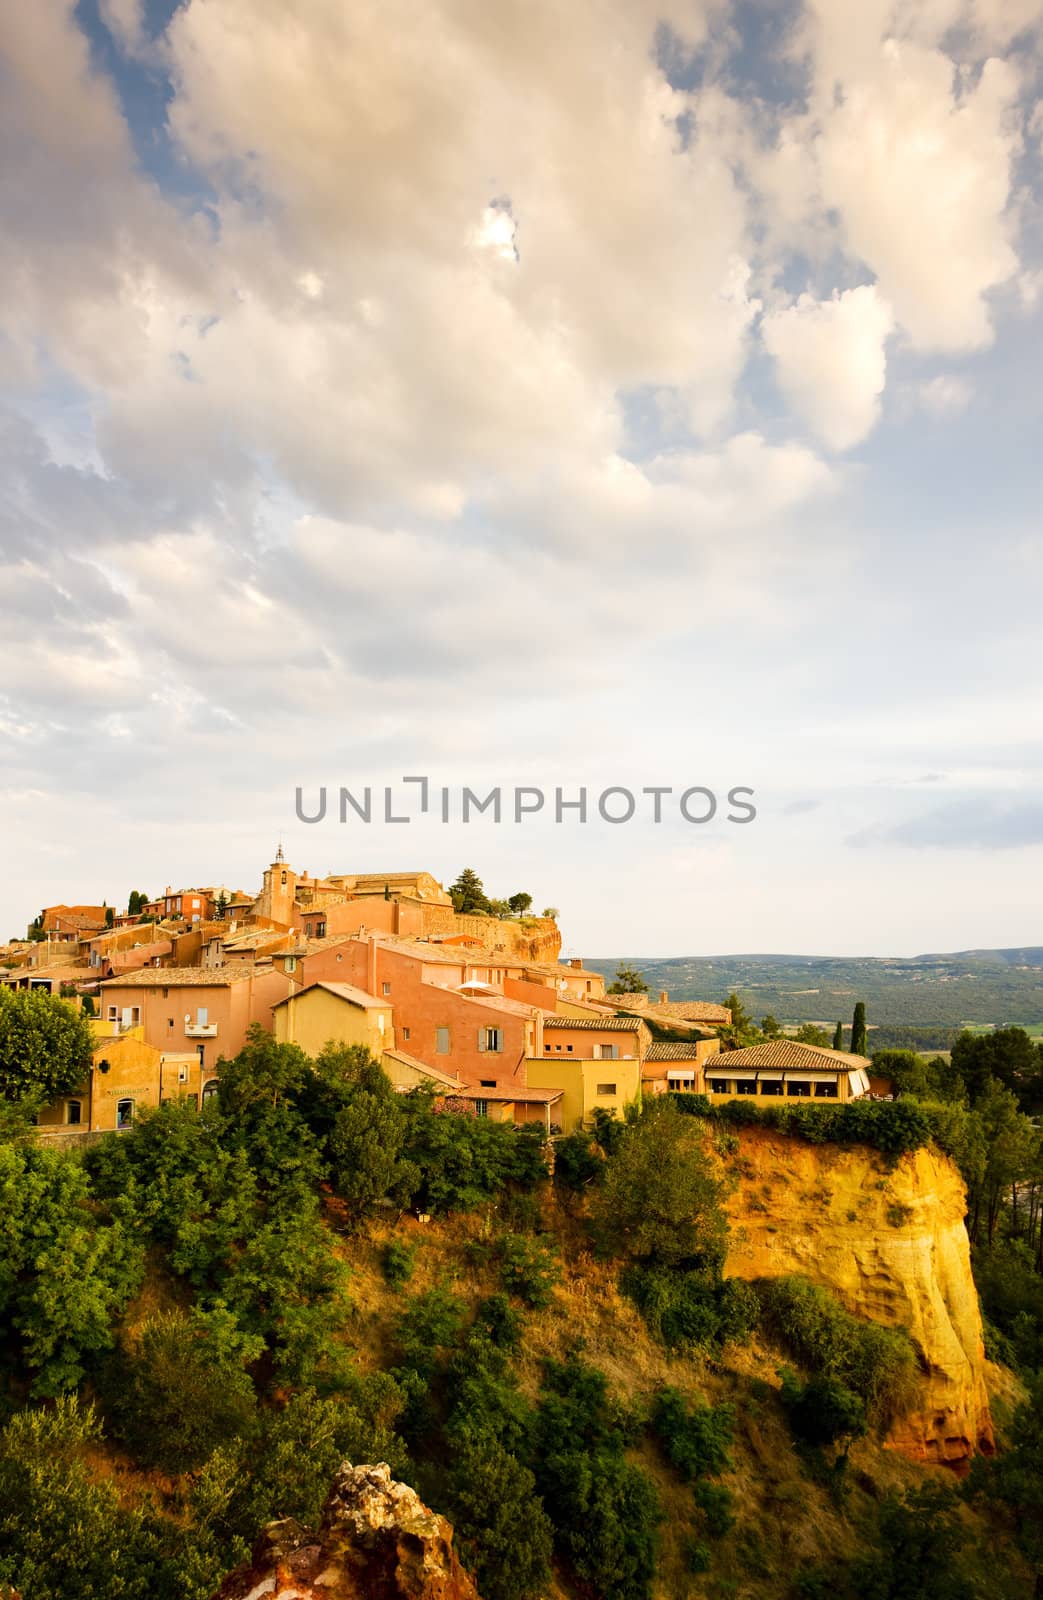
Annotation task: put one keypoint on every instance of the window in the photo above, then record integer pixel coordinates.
(490, 1038)
(481, 1108)
(606, 1052)
(202, 1017)
(745, 1086)
(320, 930)
(170, 1022)
(291, 963)
(209, 1089)
(719, 1085)
(825, 1091)
(73, 1113)
(488, 1083)
(166, 994)
(606, 1088)
(182, 1074)
(405, 1033)
(772, 1086)
(798, 1091)
(124, 1113)
(441, 1041)
(385, 988)
(111, 1013)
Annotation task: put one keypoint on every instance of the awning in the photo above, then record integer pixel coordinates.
(681, 1076)
(810, 1076)
(769, 1077)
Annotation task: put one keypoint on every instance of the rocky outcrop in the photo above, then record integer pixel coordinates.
(891, 1244)
(376, 1540)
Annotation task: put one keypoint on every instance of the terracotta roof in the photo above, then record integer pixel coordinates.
(182, 977)
(519, 1092)
(785, 1053)
(343, 991)
(684, 1010)
(622, 1024)
(666, 1051)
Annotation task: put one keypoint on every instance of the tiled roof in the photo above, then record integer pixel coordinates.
(182, 977)
(519, 1092)
(343, 991)
(622, 1024)
(785, 1053)
(673, 1052)
(684, 1010)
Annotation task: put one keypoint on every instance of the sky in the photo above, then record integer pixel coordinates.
(628, 394)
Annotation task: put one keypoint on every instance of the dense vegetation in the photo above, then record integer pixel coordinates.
(187, 1354)
(924, 993)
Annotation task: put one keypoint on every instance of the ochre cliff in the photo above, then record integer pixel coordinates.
(376, 1539)
(891, 1244)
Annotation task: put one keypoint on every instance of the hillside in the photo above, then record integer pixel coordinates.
(963, 989)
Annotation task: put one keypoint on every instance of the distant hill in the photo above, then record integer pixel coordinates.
(963, 988)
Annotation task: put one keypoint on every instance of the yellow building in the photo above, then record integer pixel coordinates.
(127, 1076)
(407, 1072)
(784, 1069)
(339, 1012)
(587, 1086)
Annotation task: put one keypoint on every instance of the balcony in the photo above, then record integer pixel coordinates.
(200, 1030)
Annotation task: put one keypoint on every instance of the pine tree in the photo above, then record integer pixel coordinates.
(859, 1037)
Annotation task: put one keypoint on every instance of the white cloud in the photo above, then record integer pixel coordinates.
(831, 363)
(945, 395)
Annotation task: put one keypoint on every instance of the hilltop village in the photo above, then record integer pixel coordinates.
(480, 1007)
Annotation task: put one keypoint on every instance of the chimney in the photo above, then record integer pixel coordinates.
(663, 997)
(576, 961)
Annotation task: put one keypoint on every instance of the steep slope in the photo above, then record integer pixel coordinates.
(890, 1243)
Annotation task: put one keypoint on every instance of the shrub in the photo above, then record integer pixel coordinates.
(824, 1411)
(180, 1389)
(528, 1269)
(660, 1202)
(696, 1439)
(502, 1531)
(398, 1261)
(878, 1364)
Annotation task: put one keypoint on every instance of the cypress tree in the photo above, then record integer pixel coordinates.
(859, 1037)
(838, 1036)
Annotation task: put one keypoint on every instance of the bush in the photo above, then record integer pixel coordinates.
(398, 1261)
(878, 1364)
(180, 1389)
(604, 1510)
(824, 1411)
(528, 1269)
(660, 1202)
(501, 1529)
(696, 1439)
(691, 1310)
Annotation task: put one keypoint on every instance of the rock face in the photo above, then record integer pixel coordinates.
(892, 1246)
(376, 1540)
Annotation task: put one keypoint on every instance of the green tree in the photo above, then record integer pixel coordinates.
(838, 1036)
(66, 1272)
(628, 980)
(660, 1201)
(180, 1388)
(366, 1141)
(46, 1046)
(1007, 1055)
(1013, 1480)
(552, 912)
(907, 1071)
(520, 903)
(859, 1034)
(110, 917)
(468, 893)
(771, 1027)
(810, 1033)
(491, 1497)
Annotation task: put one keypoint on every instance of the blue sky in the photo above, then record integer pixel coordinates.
(447, 392)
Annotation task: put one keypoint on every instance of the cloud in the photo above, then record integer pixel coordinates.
(945, 395)
(974, 822)
(830, 359)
